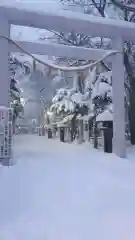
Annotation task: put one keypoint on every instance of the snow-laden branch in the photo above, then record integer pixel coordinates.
(97, 94)
(64, 68)
(123, 6)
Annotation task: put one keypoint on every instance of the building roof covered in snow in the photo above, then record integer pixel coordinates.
(105, 116)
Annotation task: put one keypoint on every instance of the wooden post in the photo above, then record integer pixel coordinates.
(4, 63)
(75, 80)
(119, 142)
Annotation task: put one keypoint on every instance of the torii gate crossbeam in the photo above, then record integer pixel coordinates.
(66, 22)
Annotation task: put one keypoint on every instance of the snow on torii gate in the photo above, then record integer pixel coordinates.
(66, 21)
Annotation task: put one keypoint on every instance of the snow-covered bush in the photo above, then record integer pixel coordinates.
(102, 91)
(15, 92)
(69, 101)
(97, 94)
(62, 102)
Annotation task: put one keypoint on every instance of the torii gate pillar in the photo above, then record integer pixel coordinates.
(4, 63)
(119, 142)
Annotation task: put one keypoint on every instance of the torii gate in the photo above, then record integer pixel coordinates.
(66, 21)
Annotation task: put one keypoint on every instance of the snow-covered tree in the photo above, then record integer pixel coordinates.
(15, 92)
(69, 101)
(96, 95)
(102, 91)
(110, 9)
(68, 104)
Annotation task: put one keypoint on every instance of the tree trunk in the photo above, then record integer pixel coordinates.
(131, 111)
(73, 128)
(80, 83)
(81, 131)
(95, 135)
(14, 124)
(90, 125)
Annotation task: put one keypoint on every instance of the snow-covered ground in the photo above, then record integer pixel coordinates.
(58, 191)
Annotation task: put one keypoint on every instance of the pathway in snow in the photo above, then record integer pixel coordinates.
(66, 192)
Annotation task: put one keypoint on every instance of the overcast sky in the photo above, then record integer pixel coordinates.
(30, 34)
(33, 4)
